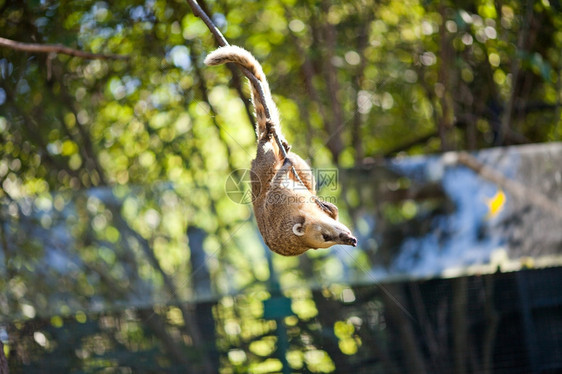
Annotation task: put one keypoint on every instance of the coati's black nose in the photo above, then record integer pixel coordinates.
(348, 239)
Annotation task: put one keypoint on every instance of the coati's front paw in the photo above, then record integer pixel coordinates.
(268, 129)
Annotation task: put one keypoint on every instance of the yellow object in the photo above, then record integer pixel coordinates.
(495, 204)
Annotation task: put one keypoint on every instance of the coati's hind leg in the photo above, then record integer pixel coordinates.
(303, 171)
(295, 174)
(305, 180)
(281, 178)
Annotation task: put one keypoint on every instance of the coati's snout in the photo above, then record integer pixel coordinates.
(348, 239)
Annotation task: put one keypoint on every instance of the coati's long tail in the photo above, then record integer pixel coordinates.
(244, 58)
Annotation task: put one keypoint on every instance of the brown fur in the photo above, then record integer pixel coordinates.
(290, 217)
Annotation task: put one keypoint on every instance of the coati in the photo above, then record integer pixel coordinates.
(290, 217)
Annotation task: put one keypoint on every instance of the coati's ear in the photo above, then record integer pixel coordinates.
(329, 208)
(298, 228)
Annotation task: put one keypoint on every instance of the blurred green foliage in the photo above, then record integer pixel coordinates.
(354, 81)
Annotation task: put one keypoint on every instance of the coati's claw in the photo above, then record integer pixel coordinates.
(268, 129)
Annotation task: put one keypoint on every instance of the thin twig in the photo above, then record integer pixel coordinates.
(57, 48)
(198, 12)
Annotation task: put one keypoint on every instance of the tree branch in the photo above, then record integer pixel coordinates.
(308, 73)
(57, 48)
(201, 10)
(357, 84)
(507, 115)
(197, 11)
(334, 126)
(447, 112)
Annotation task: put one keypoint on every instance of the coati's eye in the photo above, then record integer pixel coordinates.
(327, 238)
